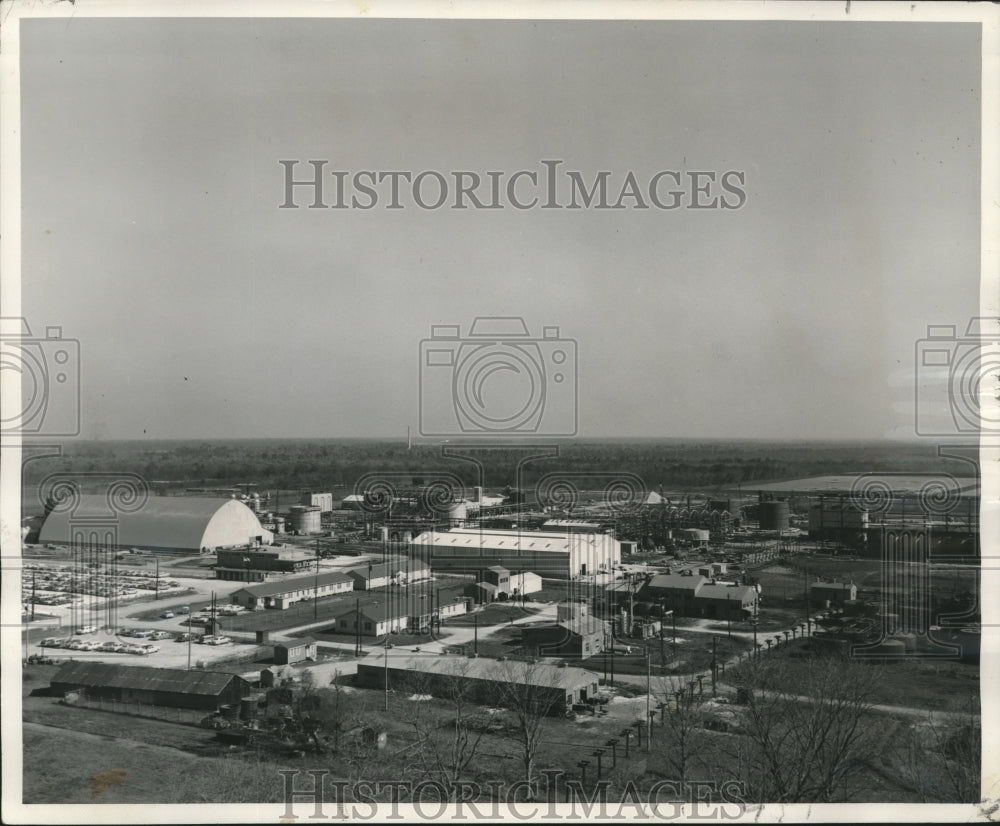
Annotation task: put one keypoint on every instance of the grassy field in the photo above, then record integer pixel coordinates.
(925, 684)
(694, 653)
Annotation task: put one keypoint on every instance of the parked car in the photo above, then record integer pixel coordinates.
(167, 615)
(160, 635)
(149, 648)
(184, 637)
(75, 645)
(143, 634)
(183, 610)
(87, 629)
(110, 646)
(137, 649)
(48, 642)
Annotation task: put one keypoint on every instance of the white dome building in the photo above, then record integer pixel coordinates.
(160, 523)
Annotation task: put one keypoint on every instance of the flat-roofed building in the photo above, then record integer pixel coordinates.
(259, 565)
(323, 501)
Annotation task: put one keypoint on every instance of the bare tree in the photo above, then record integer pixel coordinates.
(680, 746)
(521, 687)
(939, 756)
(806, 731)
(445, 754)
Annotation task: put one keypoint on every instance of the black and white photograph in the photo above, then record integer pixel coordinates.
(466, 412)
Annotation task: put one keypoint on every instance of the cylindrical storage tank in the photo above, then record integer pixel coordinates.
(695, 534)
(305, 518)
(248, 708)
(773, 516)
(458, 512)
(279, 524)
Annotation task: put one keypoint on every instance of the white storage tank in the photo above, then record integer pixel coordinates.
(305, 519)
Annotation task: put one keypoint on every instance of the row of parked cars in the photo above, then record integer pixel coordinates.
(110, 646)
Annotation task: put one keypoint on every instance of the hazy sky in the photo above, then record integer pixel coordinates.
(151, 228)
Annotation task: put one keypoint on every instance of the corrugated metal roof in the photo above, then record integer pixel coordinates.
(162, 522)
(196, 681)
(296, 583)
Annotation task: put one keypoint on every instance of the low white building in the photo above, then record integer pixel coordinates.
(285, 592)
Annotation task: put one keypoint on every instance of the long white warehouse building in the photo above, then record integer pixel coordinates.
(560, 555)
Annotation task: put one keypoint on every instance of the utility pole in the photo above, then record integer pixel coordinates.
(673, 616)
(157, 592)
(316, 585)
(714, 662)
(357, 628)
(805, 575)
(662, 660)
(386, 650)
(475, 632)
(649, 719)
(189, 636)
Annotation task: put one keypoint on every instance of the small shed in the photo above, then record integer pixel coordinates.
(294, 651)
